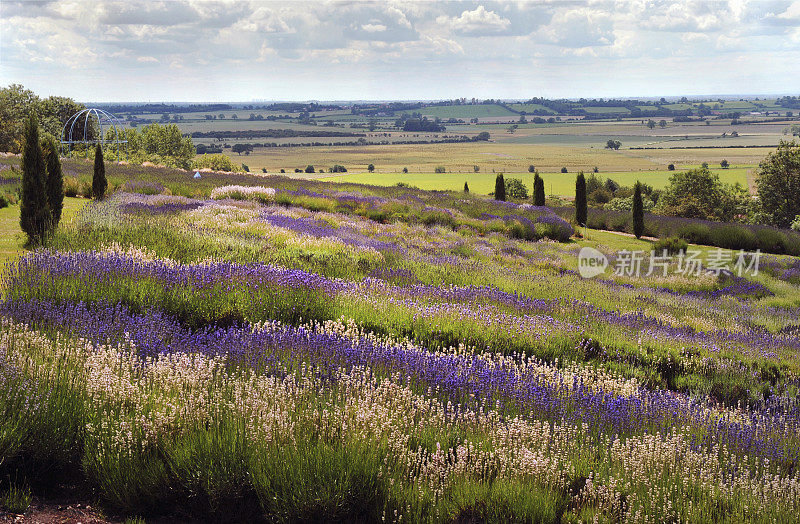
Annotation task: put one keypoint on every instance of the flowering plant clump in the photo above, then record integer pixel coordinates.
(261, 194)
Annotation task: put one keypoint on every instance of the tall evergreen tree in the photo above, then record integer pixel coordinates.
(581, 207)
(55, 180)
(34, 213)
(500, 187)
(638, 211)
(99, 182)
(538, 190)
(466, 187)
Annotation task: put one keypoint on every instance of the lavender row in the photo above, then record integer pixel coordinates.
(772, 431)
(42, 268)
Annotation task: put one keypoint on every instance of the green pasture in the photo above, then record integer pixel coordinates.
(530, 108)
(464, 112)
(555, 183)
(607, 110)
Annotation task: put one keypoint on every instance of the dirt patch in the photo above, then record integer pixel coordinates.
(45, 512)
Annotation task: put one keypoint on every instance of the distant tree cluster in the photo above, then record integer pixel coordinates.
(17, 104)
(164, 144)
(423, 125)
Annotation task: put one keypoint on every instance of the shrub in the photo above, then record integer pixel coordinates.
(695, 233)
(4, 201)
(258, 193)
(671, 167)
(499, 188)
(600, 196)
(638, 211)
(796, 223)
(531, 169)
(55, 180)
(538, 190)
(581, 208)
(405, 170)
(734, 237)
(516, 189)
(216, 162)
(309, 168)
(772, 241)
(672, 245)
(86, 189)
(563, 169)
(99, 182)
(439, 169)
(35, 218)
(466, 187)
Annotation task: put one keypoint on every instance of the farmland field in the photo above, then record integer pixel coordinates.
(555, 183)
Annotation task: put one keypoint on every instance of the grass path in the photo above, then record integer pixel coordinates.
(12, 240)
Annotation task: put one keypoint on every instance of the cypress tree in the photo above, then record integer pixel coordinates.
(500, 188)
(638, 211)
(99, 182)
(55, 180)
(34, 212)
(538, 190)
(466, 188)
(581, 208)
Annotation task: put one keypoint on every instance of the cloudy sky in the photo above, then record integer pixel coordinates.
(198, 50)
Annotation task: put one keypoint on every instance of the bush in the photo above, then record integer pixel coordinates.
(309, 169)
(638, 211)
(216, 162)
(516, 189)
(796, 223)
(531, 169)
(499, 188)
(600, 196)
(581, 211)
(439, 169)
(671, 167)
(734, 237)
(672, 245)
(563, 169)
(772, 241)
(86, 189)
(695, 233)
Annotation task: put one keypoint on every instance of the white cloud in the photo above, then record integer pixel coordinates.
(114, 43)
(373, 28)
(478, 22)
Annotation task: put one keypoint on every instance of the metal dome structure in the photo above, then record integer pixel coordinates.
(85, 119)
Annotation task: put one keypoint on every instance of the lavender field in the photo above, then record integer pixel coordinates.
(251, 349)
